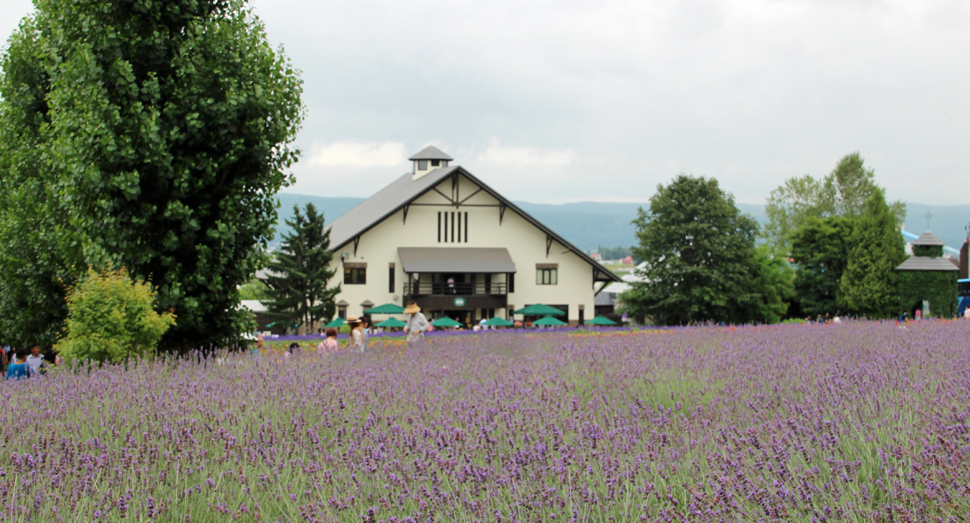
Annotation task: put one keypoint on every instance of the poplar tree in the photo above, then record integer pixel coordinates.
(300, 271)
(148, 135)
(869, 285)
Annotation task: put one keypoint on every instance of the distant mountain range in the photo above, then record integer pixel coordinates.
(591, 224)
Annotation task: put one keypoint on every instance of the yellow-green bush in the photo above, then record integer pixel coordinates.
(111, 318)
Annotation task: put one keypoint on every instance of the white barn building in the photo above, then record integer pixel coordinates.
(440, 222)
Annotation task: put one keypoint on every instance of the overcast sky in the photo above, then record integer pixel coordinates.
(582, 100)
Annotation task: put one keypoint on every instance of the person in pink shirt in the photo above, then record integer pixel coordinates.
(329, 345)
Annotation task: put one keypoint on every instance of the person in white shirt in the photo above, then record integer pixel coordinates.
(416, 324)
(35, 360)
(356, 334)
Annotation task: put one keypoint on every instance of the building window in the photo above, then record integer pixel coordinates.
(435, 163)
(390, 279)
(511, 281)
(422, 165)
(458, 227)
(547, 276)
(342, 312)
(355, 275)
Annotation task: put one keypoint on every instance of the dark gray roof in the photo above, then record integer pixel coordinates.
(456, 259)
(430, 153)
(386, 202)
(605, 298)
(928, 239)
(925, 263)
(406, 189)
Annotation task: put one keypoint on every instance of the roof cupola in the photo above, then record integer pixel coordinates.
(427, 160)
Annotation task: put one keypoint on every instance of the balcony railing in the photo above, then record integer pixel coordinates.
(458, 289)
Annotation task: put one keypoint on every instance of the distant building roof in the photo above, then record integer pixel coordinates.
(925, 263)
(430, 153)
(928, 239)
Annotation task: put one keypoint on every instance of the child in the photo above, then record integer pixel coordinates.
(329, 345)
(19, 369)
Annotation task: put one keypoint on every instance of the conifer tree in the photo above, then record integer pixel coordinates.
(300, 271)
(869, 284)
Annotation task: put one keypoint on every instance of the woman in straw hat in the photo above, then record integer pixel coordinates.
(356, 334)
(416, 324)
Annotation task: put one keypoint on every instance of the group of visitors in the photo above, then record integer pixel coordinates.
(23, 363)
(824, 319)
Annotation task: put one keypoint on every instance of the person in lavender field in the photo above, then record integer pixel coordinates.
(35, 360)
(19, 369)
(365, 330)
(329, 345)
(416, 324)
(356, 334)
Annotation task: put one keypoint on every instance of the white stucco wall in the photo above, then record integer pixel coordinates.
(526, 245)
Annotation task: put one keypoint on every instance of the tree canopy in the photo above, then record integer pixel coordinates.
(820, 250)
(701, 263)
(842, 193)
(300, 271)
(151, 137)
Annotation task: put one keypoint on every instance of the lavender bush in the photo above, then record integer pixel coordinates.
(852, 422)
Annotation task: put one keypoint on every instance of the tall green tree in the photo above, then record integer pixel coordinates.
(700, 257)
(820, 250)
(843, 192)
(300, 271)
(869, 285)
(162, 131)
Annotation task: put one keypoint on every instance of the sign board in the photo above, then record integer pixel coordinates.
(459, 302)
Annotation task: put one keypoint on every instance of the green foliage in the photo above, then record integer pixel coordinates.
(869, 285)
(928, 251)
(700, 256)
(300, 272)
(939, 288)
(111, 318)
(820, 250)
(775, 279)
(254, 289)
(150, 136)
(842, 193)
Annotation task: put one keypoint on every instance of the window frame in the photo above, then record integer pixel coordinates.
(351, 274)
(547, 276)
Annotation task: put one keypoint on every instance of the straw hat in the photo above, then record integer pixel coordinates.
(352, 320)
(412, 308)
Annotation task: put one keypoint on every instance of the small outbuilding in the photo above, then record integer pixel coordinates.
(928, 278)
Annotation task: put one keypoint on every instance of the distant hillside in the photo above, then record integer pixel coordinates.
(591, 224)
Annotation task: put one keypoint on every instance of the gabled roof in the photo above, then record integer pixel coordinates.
(925, 263)
(406, 189)
(430, 153)
(928, 239)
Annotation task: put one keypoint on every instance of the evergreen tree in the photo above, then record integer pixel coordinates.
(700, 257)
(869, 285)
(151, 136)
(300, 271)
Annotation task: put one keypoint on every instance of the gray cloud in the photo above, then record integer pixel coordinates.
(631, 92)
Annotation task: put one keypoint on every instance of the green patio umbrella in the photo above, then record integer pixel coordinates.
(387, 308)
(540, 310)
(392, 323)
(549, 321)
(601, 320)
(445, 322)
(335, 324)
(499, 322)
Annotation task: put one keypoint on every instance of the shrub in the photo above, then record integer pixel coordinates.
(110, 318)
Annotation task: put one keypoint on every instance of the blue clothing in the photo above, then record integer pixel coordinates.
(17, 371)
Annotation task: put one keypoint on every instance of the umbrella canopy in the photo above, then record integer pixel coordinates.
(499, 322)
(549, 321)
(601, 320)
(445, 322)
(391, 323)
(387, 308)
(335, 324)
(540, 310)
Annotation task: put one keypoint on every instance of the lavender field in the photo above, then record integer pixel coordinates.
(852, 422)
